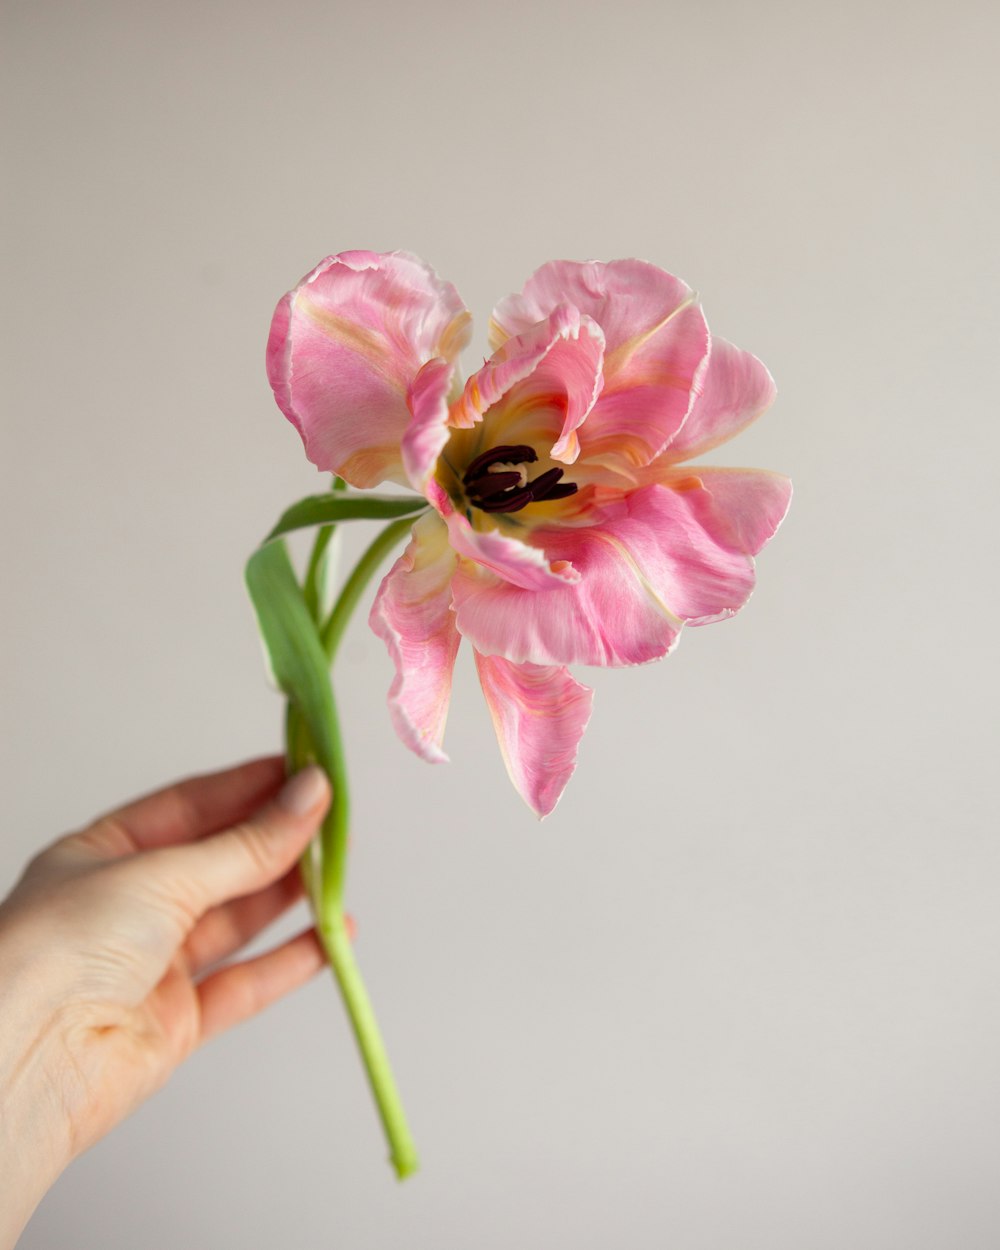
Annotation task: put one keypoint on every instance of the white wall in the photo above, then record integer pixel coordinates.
(741, 989)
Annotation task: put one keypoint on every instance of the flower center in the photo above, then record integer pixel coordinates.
(494, 482)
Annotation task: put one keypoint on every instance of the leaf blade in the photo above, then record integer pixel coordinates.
(291, 640)
(330, 508)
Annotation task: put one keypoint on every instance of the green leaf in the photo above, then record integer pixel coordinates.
(330, 508)
(298, 661)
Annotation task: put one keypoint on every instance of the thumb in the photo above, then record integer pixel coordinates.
(254, 853)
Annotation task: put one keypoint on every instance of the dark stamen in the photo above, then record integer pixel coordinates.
(562, 491)
(521, 454)
(490, 484)
(503, 491)
(507, 503)
(540, 486)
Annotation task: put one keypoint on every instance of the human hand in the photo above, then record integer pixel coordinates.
(108, 947)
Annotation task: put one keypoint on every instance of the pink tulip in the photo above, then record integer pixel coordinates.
(564, 527)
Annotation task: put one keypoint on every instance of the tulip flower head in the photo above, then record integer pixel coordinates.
(564, 523)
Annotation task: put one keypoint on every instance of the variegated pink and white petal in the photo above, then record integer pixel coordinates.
(736, 389)
(646, 566)
(657, 342)
(740, 508)
(539, 713)
(609, 617)
(540, 385)
(344, 347)
(627, 298)
(672, 539)
(428, 431)
(507, 557)
(412, 615)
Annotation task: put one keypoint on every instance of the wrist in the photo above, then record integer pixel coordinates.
(34, 1136)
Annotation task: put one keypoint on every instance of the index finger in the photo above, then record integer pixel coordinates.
(198, 806)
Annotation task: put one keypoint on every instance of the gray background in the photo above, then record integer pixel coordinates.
(740, 990)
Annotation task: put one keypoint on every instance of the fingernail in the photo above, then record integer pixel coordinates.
(306, 790)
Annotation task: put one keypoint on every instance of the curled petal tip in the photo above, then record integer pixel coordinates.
(539, 713)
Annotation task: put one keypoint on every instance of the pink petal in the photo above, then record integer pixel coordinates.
(736, 389)
(344, 347)
(552, 368)
(509, 558)
(625, 297)
(412, 615)
(663, 532)
(656, 344)
(608, 618)
(646, 566)
(740, 508)
(428, 431)
(539, 713)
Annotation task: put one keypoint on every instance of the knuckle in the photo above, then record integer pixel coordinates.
(260, 848)
(164, 884)
(106, 837)
(54, 856)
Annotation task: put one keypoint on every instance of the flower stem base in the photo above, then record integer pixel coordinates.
(337, 944)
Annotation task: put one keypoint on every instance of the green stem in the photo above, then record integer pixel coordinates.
(312, 587)
(334, 832)
(337, 943)
(299, 753)
(361, 575)
(335, 828)
(327, 893)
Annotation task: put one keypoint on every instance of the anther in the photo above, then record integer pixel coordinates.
(506, 490)
(507, 503)
(489, 484)
(540, 486)
(522, 454)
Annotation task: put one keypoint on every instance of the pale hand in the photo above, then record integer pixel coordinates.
(109, 947)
